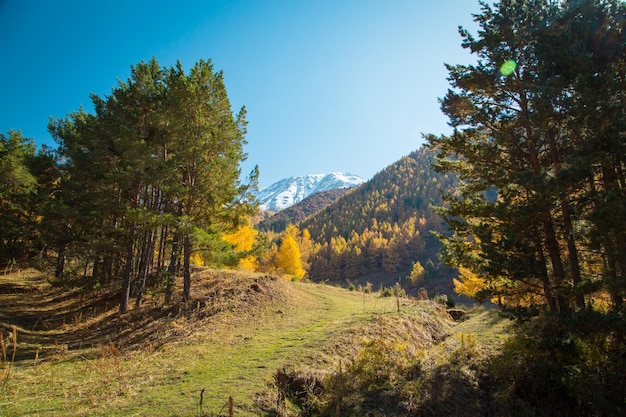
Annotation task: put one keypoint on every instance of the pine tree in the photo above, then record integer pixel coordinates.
(515, 114)
(158, 162)
(18, 185)
(208, 147)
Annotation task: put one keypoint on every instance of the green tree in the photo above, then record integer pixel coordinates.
(110, 189)
(18, 185)
(207, 149)
(516, 113)
(155, 169)
(591, 39)
(85, 199)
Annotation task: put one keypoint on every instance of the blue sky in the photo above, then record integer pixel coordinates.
(343, 85)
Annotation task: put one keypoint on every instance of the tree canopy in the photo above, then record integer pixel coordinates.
(539, 144)
(151, 172)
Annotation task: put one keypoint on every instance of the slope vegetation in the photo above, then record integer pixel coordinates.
(382, 227)
(75, 355)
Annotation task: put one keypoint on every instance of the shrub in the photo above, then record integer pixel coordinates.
(422, 294)
(451, 303)
(368, 385)
(561, 367)
(442, 299)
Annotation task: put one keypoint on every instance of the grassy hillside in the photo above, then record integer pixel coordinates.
(280, 348)
(76, 356)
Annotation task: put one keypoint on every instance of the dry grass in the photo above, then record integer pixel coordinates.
(77, 356)
(413, 363)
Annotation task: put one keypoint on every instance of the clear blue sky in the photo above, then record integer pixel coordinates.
(330, 85)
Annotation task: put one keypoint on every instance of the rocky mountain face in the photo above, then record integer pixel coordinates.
(289, 191)
(300, 211)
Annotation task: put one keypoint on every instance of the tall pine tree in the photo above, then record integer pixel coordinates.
(155, 167)
(522, 221)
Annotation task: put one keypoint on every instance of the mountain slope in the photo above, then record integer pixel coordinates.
(380, 229)
(300, 211)
(289, 191)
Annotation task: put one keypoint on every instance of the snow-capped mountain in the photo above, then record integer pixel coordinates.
(290, 191)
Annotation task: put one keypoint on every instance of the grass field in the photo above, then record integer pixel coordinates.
(188, 360)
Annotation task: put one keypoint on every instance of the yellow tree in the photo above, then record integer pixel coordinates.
(306, 247)
(417, 274)
(469, 283)
(243, 241)
(288, 258)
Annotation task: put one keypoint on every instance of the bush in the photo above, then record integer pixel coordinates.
(451, 303)
(386, 292)
(563, 367)
(367, 385)
(422, 294)
(443, 299)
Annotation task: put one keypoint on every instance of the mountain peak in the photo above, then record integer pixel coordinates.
(292, 190)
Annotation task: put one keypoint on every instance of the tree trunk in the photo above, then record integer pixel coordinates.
(60, 268)
(171, 269)
(95, 272)
(161, 252)
(125, 293)
(144, 265)
(566, 212)
(572, 252)
(107, 269)
(545, 280)
(186, 268)
(554, 252)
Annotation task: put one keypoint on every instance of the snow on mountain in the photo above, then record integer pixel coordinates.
(290, 191)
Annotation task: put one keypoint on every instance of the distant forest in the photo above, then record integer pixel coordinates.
(383, 226)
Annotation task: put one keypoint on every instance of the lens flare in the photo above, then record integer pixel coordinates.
(508, 67)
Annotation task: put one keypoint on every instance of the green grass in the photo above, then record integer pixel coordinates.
(231, 346)
(236, 355)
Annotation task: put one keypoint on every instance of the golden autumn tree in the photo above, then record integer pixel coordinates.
(243, 240)
(305, 244)
(289, 259)
(417, 274)
(469, 283)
